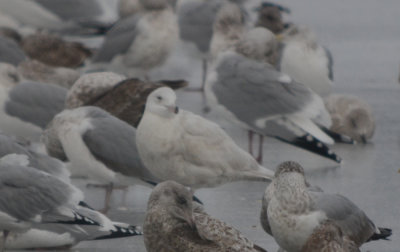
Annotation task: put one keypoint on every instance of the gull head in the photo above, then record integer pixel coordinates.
(162, 102)
(175, 199)
(229, 17)
(289, 167)
(259, 44)
(154, 4)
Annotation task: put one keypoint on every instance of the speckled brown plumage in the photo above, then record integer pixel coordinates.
(270, 17)
(54, 51)
(173, 223)
(329, 238)
(127, 99)
(37, 71)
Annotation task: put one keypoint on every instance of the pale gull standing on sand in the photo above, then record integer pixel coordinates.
(138, 43)
(97, 145)
(351, 116)
(10, 52)
(38, 210)
(178, 145)
(294, 211)
(252, 93)
(307, 62)
(27, 107)
(175, 223)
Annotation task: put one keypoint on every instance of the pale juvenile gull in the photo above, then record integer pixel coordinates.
(351, 116)
(40, 211)
(10, 52)
(26, 108)
(55, 51)
(328, 237)
(178, 145)
(40, 72)
(70, 16)
(229, 25)
(294, 211)
(138, 43)
(174, 223)
(247, 90)
(97, 145)
(307, 62)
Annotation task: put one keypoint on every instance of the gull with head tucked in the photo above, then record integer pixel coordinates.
(178, 145)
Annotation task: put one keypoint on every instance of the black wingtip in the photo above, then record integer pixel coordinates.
(122, 232)
(383, 235)
(338, 138)
(312, 144)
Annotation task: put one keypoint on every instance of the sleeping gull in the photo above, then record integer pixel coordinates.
(178, 145)
(138, 43)
(26, 108)
(294, 211)
(40, 72)
(97, 145)
(351, 116)
(252, 93)
(174, 223)
(41, 211)
(304, 60)
(328, 237)
(55, 51)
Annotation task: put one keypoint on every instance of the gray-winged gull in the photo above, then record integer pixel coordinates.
(178, 145)
(294, 211)
(138, 43)
(40, 211)
(174, 223)
(70, 16)
(304, 60)
(27, 107)
(351, 116)
(97, 145)
(249, 91)
(10, 52)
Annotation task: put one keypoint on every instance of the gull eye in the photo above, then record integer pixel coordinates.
(181, 200)
(159, 98)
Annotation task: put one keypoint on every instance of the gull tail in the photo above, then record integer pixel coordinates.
(312, 144)
(262, 174)
(383, 234)
(338, 138)
(121, 231)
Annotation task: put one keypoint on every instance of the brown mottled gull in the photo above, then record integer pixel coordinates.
(173, 223)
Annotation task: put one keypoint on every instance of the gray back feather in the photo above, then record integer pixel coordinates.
(118, 39)
(10, 52)
(36, 102)
(26, 192)
(113, 142)
(72, 9)
(9, 145)
(252, 90)
(330, 62)
(352, 220)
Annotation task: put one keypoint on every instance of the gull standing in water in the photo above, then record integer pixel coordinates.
(178, 145)
(294, 211)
